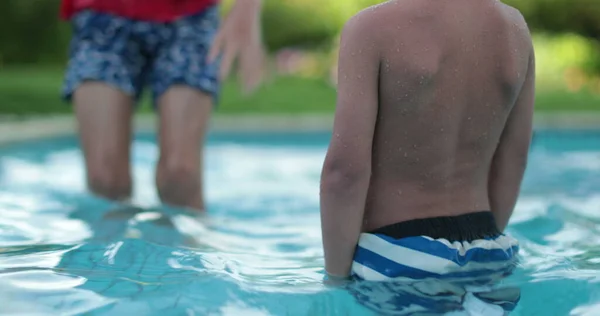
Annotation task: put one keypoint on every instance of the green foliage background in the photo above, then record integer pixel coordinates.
(34, 43)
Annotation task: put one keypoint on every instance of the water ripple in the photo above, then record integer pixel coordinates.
(258, 251)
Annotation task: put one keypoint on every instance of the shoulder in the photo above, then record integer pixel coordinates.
(514, 17)
(513, 12)
(379, 23)
(378, 19)
(517, 24)
(517, 28)
(367, 29)
(362, 23)
(361, 34)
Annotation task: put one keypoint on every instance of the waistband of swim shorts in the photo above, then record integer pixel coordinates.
(466, 227)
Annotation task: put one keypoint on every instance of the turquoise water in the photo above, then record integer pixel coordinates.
(258, 252)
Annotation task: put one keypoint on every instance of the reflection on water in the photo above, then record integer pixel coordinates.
(427, 297)
(258, 251)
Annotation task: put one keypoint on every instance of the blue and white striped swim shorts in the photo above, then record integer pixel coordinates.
(405, 265)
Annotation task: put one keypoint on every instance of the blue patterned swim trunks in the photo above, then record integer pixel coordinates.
(130, 54)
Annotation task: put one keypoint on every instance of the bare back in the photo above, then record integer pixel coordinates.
(450, 74)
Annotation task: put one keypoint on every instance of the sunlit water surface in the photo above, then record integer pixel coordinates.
(258, 252)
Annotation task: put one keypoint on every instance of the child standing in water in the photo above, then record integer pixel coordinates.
(177, 49)
(430, 142)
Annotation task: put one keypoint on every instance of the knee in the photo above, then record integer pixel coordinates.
(177, 175)
(110, 179)
(179, 184)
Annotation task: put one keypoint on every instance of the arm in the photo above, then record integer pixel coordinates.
(347, 169)
(510, 158)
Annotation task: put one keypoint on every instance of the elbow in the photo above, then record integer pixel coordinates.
(510, 164)
(521, 159)
(523, 162)
(340, 175)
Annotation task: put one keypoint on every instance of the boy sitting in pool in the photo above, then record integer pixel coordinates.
(430, 141)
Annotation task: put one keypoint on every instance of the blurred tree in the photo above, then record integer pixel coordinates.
(307, 23)
(31, 32)
(314, 22)
(299, 23)
(581, 17)
(559, 16)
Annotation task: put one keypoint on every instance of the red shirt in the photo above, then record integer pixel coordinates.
(148, 10)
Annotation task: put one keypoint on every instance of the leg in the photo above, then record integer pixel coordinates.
(185, 87)
(104, 118)
(102, 79)
(184, 115)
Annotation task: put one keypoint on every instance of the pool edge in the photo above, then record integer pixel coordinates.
(30, 128)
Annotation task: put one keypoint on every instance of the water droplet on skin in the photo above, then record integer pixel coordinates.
(415, 146)
(469, 118)
(441, 129)
(399, 192)
(405, 154)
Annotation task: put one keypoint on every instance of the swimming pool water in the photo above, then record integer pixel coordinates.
(258, 251)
